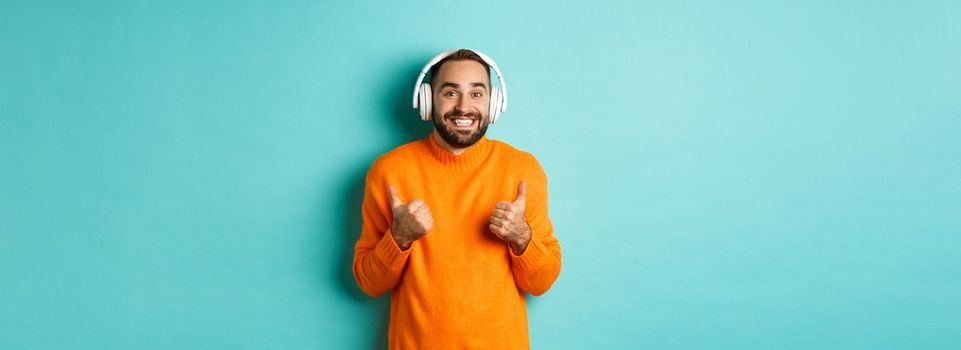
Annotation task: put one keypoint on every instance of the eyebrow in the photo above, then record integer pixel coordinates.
(457, 86)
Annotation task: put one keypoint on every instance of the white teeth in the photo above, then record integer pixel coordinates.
(463, 122)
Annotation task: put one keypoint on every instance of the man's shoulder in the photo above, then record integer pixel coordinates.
(397, 156)
(403, 151)
(516, 155)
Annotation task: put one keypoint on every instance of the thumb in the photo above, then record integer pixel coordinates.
(521, 189)
(394, 198)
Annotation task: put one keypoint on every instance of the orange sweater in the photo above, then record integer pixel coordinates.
(459, 286)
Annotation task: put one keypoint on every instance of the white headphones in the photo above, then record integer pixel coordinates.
(422, 91)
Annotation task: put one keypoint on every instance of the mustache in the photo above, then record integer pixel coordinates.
(462, 114)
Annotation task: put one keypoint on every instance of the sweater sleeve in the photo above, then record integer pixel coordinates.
(536, 269)
(378, 261)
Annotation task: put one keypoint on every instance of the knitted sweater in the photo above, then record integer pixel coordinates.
(459, 286)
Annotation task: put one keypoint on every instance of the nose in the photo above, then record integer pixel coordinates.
(461, 104)
(461, 107)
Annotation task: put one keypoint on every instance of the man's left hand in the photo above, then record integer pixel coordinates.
(509, 224)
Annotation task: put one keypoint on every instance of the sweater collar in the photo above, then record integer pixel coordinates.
(472, 156)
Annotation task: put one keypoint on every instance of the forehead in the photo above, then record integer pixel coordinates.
(464, 71)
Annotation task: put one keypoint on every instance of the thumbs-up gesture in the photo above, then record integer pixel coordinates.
(412, 220)
(508, 221)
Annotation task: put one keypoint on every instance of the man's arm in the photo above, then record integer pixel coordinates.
(538, 264)
(378, 261)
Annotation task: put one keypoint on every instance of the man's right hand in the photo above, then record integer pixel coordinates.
(412, 220)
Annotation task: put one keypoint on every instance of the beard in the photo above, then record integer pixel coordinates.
(460, 138)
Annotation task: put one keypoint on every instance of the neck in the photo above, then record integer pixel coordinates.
(446, 146)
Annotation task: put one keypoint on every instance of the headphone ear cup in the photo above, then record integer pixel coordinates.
(426, 104)
(494, 110)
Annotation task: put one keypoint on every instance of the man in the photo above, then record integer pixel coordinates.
(455, 225)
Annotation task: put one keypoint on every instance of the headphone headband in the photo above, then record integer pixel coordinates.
(443, 55)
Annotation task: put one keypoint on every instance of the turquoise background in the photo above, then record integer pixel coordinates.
(738, 175)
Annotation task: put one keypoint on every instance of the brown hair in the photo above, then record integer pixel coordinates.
(461, 55)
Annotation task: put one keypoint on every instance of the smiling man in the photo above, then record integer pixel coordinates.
(456, 225)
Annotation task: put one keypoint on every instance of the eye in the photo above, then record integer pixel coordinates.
(478, 94)
(450, 94)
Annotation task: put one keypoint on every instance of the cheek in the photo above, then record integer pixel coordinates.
(441, 104)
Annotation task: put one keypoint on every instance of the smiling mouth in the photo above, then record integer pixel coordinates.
(462, 122)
